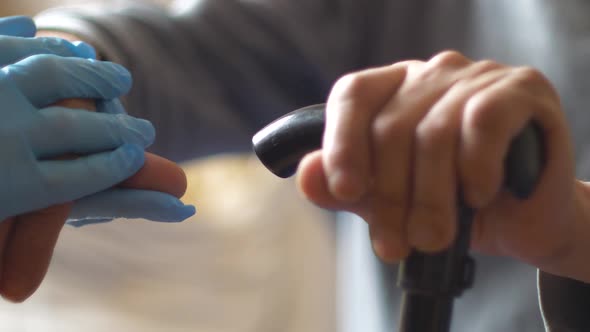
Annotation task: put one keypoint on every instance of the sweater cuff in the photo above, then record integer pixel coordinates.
(565, 303)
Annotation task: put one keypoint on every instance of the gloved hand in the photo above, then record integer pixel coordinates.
(159, 204)
(103, 206)
(113, 202)
(31, 136)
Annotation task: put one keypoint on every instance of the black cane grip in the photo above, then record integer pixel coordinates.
(281, 145)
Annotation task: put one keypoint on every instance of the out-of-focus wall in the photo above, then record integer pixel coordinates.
(30, 7)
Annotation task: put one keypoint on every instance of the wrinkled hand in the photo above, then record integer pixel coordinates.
(402, 140)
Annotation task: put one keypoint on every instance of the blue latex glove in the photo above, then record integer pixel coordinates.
(83, 133)
(127, 203)
(108, 204)
(31, 135)
(18, 26)
(16, 42)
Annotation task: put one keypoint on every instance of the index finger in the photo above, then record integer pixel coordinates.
(353, 103)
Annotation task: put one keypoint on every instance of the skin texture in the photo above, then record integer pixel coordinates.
(400, 138)
(27, 241)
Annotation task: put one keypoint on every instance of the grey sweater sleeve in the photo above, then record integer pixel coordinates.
(565, 303)
(208, 74)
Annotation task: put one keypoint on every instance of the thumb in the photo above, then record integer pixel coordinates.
(313, 185)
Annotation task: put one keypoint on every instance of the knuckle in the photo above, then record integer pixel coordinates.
(352, 86)
(434, 132)
(447, 58)
(534, 81)
(390, 129)
(439, 64)
(486, 65)
(479, 110)
(527, 74)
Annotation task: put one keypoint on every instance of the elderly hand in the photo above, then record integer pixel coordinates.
(402, 140)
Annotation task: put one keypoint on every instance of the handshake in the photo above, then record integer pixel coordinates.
(61, 163)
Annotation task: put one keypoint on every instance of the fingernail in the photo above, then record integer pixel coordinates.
(84, 50)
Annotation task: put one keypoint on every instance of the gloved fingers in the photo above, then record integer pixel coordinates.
(69, 180)
(84, 50)
(113, 106)
(14, 49)
(60, 130)
(129, 203)
(14, 106)
(18, 26)
(47, 79)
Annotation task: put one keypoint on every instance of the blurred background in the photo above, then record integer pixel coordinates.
(256, 257)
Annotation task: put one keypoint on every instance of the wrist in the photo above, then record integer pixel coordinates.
(571, 260)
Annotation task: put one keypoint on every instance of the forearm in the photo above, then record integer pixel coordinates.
(572, 261)
(564, 289)
(564, 292)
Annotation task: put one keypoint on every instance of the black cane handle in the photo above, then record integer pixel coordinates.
(430, 281)
(281, 145)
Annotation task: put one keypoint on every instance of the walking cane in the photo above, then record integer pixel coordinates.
(430, 282)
